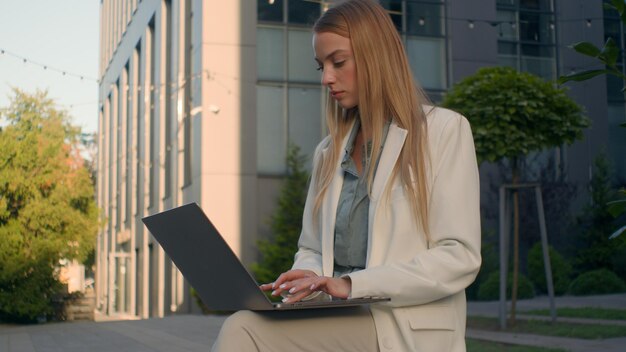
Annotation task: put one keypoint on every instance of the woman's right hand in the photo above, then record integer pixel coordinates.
(288, 280)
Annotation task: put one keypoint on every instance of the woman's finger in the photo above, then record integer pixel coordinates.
(266, 287)
(296, 297)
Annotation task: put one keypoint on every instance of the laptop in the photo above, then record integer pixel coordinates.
(210, 266)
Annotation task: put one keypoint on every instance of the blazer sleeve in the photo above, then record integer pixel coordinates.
(452, 259)
(309, 255)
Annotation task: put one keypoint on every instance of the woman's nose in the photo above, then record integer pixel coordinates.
(328, 77)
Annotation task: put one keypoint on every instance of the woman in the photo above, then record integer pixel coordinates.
(392, 209)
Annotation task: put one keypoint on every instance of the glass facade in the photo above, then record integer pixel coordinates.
(290, 99)
(613, 28)
(422, 27)
(527, 36)
(289, 95)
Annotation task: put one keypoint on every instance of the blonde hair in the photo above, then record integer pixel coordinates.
(386, 91)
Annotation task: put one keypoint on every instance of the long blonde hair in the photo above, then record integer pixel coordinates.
(386, 90)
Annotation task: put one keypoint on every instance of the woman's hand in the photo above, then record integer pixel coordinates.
(301, 283)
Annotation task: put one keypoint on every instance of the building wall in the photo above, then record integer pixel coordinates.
(591, 94)
(177, 125)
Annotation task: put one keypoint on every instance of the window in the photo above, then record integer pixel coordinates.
(270, 41)
(526, 39)
(270, 10)
(169, 119)
(613, 28)
(617, 142)
(422, 27)
(289, 98)
(152, 146)
(271, 130)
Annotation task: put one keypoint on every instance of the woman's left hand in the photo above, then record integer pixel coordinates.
(336, 287)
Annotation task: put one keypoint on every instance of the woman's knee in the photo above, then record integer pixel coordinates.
(235, 334)
(239, 322)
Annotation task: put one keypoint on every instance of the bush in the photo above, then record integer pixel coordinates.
(597, 282)
(490, 262)
(490, 289)
(595, 249)
(26, 292)
(561, 270)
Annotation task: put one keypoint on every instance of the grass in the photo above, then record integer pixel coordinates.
(582, 331)
(485, 346)
(587, 312)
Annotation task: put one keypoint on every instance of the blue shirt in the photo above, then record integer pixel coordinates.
(351, 227)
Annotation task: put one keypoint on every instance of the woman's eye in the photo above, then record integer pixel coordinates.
(339, 63)
(320, 68)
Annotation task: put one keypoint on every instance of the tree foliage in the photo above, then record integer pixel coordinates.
(596, 250)
(286, 223)
(47, 207)
(513, 113)
(608, 55)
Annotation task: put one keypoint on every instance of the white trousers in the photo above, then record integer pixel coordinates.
(334, 329)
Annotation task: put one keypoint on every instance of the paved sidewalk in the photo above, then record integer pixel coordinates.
(181, 333)
(195, 333)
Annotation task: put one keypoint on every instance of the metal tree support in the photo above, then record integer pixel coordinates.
(505, 220)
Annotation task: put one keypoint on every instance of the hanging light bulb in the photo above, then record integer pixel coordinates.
(421, 21)
(271, 2)
(470, 24)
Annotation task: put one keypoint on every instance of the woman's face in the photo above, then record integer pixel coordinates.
(333, 54)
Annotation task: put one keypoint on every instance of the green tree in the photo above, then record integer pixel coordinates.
(512, 114)
(286, 223)
(596, 250)
(47, 207)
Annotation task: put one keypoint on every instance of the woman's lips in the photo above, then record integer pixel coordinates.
(337, 94)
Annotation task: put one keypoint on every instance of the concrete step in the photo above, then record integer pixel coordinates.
(82, 308)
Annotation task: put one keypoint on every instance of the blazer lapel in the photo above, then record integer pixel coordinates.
(376, 243)
(388, 158)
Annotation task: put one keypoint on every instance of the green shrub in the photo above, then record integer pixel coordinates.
(597, 282)
(561, 270)
(490, 289)
(26, 292)
(489, 264)
(595, 225)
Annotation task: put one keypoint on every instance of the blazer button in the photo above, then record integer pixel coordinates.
(387, 342)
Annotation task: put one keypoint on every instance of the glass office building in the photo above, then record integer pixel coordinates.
(199, 101)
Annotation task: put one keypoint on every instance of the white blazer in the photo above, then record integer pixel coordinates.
(425, 280)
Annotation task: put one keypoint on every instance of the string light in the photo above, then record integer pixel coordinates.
(471, 23)
(28, 61)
